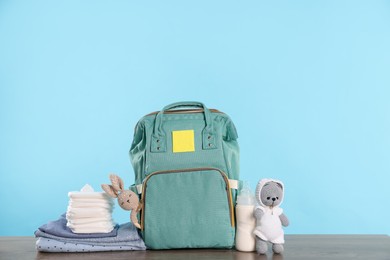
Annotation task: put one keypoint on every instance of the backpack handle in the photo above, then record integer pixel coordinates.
(158, 143)
(184, 104)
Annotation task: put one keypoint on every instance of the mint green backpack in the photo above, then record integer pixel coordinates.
(186, 164)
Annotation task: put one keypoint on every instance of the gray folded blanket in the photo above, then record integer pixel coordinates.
(127, 238)
(58, 228)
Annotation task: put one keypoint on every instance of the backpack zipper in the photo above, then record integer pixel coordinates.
(229, 194)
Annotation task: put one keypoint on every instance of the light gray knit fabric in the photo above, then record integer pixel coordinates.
(55, 246)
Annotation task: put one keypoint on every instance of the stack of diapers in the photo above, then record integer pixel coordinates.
(89, 211)
(56, 237)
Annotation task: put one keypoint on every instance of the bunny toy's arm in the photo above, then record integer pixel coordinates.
(133, 218)
(133, 215)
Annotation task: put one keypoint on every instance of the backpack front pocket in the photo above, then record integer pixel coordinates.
(189, 208)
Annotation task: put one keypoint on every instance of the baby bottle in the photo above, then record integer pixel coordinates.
(246, 222)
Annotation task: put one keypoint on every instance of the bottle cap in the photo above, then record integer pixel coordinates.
(245, 195)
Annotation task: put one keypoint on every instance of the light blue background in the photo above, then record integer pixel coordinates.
(307, 84)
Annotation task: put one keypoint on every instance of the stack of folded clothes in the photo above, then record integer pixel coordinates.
(89, 211)
(55, 236)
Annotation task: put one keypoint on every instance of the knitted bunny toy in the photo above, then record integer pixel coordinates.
(270, 218)
(127, 199)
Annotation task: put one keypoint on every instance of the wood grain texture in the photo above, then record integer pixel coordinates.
(375, 247)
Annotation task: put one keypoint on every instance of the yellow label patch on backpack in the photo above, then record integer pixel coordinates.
(183, 141)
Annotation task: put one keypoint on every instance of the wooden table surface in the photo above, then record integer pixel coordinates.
(368, 247)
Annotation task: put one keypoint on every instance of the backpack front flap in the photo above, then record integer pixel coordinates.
(189, 208)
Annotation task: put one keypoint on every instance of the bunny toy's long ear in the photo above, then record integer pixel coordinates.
(117, 182)
(110, 190)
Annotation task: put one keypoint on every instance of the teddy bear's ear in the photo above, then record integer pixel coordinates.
(280, 185)
(109, 190)
(117, 182)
